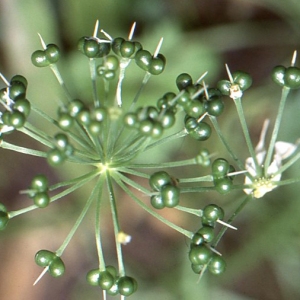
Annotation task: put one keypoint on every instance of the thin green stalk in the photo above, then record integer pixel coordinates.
(288, 164)
(230, 220)
(116, 225)
(284, 94)
(92, 63)
(171, 164)
(169, 138)
(193, 211)
(240, 111)
(150, 211)
(134, 184)
(61, 249)
(215, 123)
(98, 225)
(6, 145)
(61, 82)
(80, 181)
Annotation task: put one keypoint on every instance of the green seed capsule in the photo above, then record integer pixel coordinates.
(39, 183)
(106, 280)
(200, 255)
(23, 106)
(57, 267)
(157, 202)
(126, 285)
(157, 65)
(39, 59)
(52, 53)
(43, 258)
(159, 179)
(92, 277)
(41, 200)
(17, 119)
(183, 81)
(278, 74)
(292, 77)
(170, 195)
(217, 265)
(143, 59)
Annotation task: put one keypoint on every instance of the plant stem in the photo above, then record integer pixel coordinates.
(284, 94)
(230, 220)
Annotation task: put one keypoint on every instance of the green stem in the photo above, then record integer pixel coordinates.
(61, 82)
(230, 220)
(97, 226)
(19, 149)
(193, 211)
(240, 111)
(225, 143)
(113, 207)
(171, 164)
(61, 249)
(92, 63)
(284, 94)
(169, 138)
(134, 184)
(151, 212)
(80, 181)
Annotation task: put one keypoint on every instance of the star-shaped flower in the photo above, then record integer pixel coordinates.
(262, 184)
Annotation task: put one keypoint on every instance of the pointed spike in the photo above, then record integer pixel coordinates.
(201, 273)
(197, 93)
(96, 28)
(158, 47)
(226, 224)
(201, 77)
(4, 79)
(106, 34)
(41, 275)
(130, 36)
(202, 117)
(293, 62)
(205, 90)
(237, 173)
(229, 74)
(42, 42)
(215, 251)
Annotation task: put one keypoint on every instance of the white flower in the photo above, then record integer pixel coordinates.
(267, 182)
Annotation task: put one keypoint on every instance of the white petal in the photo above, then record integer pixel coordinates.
(250, 166)
(248, 181)
(261, 144)
(284, 149)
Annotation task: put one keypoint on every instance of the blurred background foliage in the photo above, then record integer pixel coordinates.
(263, 256)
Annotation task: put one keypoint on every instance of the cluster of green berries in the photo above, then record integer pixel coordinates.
(61, 151)
(166, 190)
(197, 101)
(286, 77)
(109, 281)
(38, 191)
(220, 170)
(44, 58)
(126, 50)
(17, 107)
(238, 83)
(149, 121)
(201, 254)
(108, 68)
(54, 264)
(76, 112)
